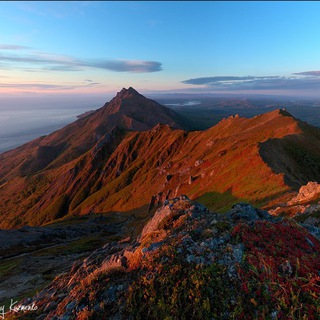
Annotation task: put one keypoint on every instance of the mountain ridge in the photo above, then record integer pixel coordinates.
(123, 170)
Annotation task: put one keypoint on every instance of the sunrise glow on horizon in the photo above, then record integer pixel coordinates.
(196, 47)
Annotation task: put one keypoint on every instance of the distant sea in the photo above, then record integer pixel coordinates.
(24, 120)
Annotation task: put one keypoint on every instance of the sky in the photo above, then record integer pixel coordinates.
(88, 47)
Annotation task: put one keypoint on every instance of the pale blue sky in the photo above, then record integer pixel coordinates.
(96, 47)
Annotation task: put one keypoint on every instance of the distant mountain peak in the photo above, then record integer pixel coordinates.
(131, 110)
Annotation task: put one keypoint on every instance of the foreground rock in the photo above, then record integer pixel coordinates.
(190, 263)
(307, 193)
(306, 203)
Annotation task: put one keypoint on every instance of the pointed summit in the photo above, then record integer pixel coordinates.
(128, 93)
(131, 110)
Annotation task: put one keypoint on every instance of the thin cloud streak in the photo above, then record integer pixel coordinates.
(64, 63)
(45, 86)
(127, 65)
(308, 73)
(233, 83)
(223, 79)
(13, 47)
(62, 68)
(36, 86)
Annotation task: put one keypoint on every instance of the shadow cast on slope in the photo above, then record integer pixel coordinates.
(220, 202)
(295, 156)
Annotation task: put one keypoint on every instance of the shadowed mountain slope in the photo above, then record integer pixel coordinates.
(107, 168)
(296, 156)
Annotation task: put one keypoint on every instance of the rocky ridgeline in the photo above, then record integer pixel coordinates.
(190, 263)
